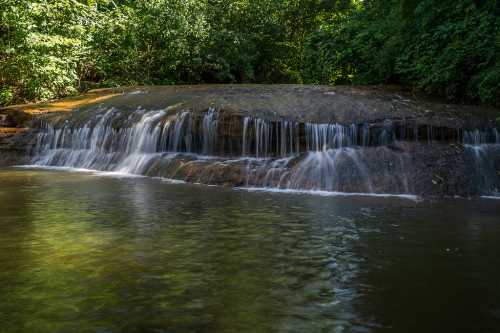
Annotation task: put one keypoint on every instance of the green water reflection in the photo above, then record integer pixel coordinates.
(85, 253)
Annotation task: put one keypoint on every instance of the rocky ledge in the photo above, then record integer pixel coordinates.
(348, 139)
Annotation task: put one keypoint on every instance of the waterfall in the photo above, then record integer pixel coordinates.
(289, 138)
(180, 135)
(485, 170)
(365, 135)
(478, 144)
(478, 137)
(216, 147)
(329, 136)
(387, 136)
(245, 149)
(262, 137)
(210, 132)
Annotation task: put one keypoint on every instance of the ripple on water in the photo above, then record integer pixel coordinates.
(80, 252)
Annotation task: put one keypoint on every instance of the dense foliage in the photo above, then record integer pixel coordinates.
(51, 48)
(44, 48)
(446, 47)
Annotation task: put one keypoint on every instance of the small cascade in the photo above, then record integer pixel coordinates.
(481, 146)
(223, 148)
(209, 133)
(334, 170)
(245, 148)
(289, 138)
(365, 135)
(387, 135)
(331, 170)
(330, 136)
(478, 137)
(143, 137)
(262, 137)
(178, 135)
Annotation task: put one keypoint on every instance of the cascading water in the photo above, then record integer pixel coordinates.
(219, 148)
(210, 132)
(329, 136)
(477, 143)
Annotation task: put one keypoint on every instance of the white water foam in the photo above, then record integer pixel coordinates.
(489, 197)
(112, 174)
(330, 194)
(116, 174)
(55, 168)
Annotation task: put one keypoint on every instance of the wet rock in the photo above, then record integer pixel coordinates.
(304, 137)
(15, 147)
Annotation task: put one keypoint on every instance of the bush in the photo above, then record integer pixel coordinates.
(6, 95)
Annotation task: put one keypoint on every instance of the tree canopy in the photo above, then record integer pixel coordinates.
(52, 48)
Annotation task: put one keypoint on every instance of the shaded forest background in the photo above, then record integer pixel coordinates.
(448, 48)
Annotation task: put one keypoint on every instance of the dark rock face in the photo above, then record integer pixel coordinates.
(4, 121)
(15, 148)
(15, 141)
(289, 137)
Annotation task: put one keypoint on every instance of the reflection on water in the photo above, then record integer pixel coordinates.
(81, 253)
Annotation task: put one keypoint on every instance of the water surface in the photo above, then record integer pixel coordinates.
(86, 253)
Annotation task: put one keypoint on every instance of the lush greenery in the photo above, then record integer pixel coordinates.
(51, 48)
(445, 47)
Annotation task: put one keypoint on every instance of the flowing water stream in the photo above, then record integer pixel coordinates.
(227, 149)
(83, 252)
